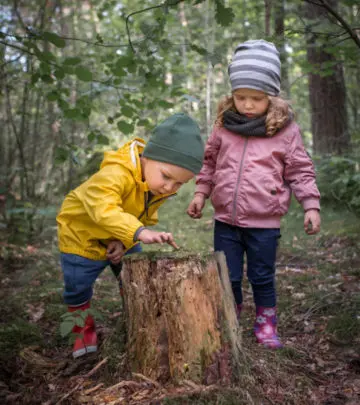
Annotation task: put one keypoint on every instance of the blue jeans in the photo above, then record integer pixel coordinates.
(81, 273)
(260, 246)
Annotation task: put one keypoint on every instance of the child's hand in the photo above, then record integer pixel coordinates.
(115, 251)
(146, 236)
(312, 222)
(196, 206)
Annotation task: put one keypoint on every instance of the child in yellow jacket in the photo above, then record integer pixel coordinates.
(109, 213)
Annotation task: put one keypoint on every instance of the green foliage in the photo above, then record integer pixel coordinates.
(54, 39)
(76, 318)
(16, 335)
(223, 15)
(25, 220)
(339, 182)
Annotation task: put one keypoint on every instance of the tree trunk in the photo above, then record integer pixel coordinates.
(279, 28)
(180, 315)
(327, 95)
(267, 17)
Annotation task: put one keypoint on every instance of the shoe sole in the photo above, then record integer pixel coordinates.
(85, 350)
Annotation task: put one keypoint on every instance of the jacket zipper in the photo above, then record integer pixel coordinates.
(147, 205)
(238, 182)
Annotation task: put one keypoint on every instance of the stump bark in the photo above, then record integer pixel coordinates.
(180, 317)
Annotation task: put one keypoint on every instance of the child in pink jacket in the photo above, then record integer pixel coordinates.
(254, 160)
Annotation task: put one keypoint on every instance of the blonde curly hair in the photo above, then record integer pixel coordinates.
(277, 114)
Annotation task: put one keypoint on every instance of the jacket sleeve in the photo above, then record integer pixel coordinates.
(204, 180)
(102, 199)
(300, 173)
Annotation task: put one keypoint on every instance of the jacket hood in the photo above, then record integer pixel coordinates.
(127, 156)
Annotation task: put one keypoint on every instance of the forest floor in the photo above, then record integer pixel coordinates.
(318, 281)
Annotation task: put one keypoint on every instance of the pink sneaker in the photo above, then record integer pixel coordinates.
(265, 328)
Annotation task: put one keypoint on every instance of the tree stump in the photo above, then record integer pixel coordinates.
(180, 317)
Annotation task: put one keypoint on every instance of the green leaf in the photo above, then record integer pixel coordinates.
(61, 155)
(79, 321)
(127, 111)
(118, 71)
(47, 78)
(69, 315)
(131, 68)
(72, 61)
(199, 49)
(54, 39)
(46, 56)
(124, 127)
(102, 139)
(59, 73)
(96, 314)
(91, 136)
(83, 74)
(223, 15)
(73, 113)
(143, 123)
(63, 105)
(52, 95)
(70, 70)
(66, 327)
(34, 78)
(165, 104)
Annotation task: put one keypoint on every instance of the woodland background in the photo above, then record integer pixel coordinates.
(79, 77)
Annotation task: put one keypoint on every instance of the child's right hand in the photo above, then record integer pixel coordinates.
(196, 206)
(146, 236)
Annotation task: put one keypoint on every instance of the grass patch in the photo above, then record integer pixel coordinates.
(15, 336)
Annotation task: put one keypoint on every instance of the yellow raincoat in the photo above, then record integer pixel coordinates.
(112, 204)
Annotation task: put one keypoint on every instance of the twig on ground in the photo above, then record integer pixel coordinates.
(125, 383)
(93, 389)
(96, 368)
(146, 379)
(68, 394)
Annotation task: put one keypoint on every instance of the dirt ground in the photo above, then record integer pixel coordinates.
(319, 323)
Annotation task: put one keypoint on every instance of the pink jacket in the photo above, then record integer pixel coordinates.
(250, 179)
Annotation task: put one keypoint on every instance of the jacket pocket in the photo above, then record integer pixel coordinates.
(260, 197)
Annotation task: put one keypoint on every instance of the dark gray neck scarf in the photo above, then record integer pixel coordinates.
(243, 125)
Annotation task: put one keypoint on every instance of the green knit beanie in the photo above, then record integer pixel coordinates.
(177, 141)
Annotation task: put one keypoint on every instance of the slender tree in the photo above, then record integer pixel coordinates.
(327, 91)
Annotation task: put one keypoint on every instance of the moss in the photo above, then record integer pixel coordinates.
(154, 256)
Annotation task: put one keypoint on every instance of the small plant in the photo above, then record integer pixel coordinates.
(76, 318)
(339, 182)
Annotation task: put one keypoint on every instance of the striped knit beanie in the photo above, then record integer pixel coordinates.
(256, 65)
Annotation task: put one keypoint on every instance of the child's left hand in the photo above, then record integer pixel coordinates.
(115, 251)
(312, 222)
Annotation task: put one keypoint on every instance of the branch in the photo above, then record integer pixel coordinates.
(19, 48)
(10, 61)
(345, 25)
(86, 41)
(166, 3)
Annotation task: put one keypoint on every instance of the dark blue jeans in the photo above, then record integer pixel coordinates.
(260, 247)
(81, 273)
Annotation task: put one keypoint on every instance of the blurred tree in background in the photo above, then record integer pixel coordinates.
(81, 76)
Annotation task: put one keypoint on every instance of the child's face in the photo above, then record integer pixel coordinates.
(164, 178)
(250, 102)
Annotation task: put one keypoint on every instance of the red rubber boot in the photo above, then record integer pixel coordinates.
(86, 341)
